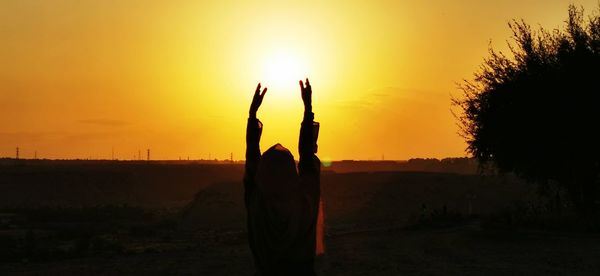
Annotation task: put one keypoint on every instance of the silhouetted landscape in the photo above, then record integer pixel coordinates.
(83, 80)
(113, 217)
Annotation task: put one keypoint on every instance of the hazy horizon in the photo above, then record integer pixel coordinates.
(185, 158)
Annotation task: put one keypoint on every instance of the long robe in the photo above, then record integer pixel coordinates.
(282, 203)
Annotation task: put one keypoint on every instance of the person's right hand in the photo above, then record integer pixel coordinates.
(257, 101)
(306, 95)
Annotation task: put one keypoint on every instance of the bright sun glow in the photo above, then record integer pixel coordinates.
(283, 71)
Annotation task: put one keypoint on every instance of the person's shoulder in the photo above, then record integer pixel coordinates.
(316, 161)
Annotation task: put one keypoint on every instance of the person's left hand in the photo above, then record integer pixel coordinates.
(257, 100)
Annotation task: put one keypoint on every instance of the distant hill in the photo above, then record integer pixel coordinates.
(89, 183)
(373, 199)
(157, 183)
(461, 165)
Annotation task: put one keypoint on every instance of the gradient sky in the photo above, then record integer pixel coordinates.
(78, 78)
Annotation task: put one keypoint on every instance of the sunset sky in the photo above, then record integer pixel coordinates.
(78, 78)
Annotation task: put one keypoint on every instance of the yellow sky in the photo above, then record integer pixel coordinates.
(78, 78)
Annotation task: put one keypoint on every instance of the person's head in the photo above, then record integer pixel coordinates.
(277, 178)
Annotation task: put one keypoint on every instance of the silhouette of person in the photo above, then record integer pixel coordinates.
(282, 202)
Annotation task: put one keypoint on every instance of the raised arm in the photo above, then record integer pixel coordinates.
(253, 133)
(309, 164)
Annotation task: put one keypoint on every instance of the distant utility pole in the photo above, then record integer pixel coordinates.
(17, 152)
(113, 153)
(231, 157)
(148, 155)
(139, 155)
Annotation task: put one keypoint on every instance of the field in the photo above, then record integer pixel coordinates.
(102, 217)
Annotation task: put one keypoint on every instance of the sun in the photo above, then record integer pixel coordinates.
(282, 71)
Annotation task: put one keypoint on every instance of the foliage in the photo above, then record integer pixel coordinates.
(537, 113)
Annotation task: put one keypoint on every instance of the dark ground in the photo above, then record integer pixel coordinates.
(463, 250)
(157, 219)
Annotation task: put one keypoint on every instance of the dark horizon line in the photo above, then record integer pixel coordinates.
(222, 160)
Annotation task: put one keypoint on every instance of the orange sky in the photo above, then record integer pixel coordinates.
(78, 78)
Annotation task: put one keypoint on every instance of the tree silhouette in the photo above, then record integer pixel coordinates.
(537, 113)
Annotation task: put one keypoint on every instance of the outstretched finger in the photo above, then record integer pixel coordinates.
(307, 83)
(257, 89)
(301, 85)
(264, 92)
